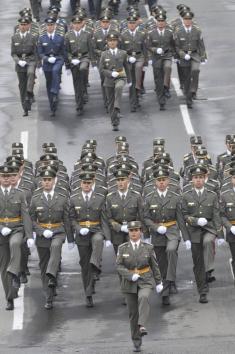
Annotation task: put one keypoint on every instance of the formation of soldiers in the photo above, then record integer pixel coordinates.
(142, 214)
(120, 50)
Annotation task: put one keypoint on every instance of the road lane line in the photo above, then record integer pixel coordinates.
(69, 273)
(18, 313)
(24, 138)
(177, 88)
(186, 119)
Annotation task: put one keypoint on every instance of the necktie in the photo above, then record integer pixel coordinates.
(114, 52)
(123, 197)
(136, 247)
(6, 193)
(51, 38)
(49, 197)
(86, 198)
(162, 196)
(199, 194)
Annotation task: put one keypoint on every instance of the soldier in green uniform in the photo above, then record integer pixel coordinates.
(49, 211)
(163, 216)
(24, 54)
(161, 49)
(15, 225)
(90, 224)
(79, 52)
(114, 67)
(227, 210)
(138, 268)
(200, 208)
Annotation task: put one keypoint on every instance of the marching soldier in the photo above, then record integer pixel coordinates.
(35, 6)
(137, 266)
(79, 52)
(49, 211)
(89, 221)
(161, 47)
(227, 209)
(191, 51)
(24, 53)
(123, 206)
(114, 67)
(200, 208)
(15, 225)
(163, 216)
(51, 50)
(133, 41)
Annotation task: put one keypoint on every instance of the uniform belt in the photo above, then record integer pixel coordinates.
(50, 225)
(6, 219)
(140, 271)
(89, 223)
(167, 223)
(232, 222)
(121, 71)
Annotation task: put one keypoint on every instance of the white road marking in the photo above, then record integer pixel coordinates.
(24, 138)
(69, 273)
(18, 314)
(186, 119)
(147, 10)
(176, 85)
(231, 267)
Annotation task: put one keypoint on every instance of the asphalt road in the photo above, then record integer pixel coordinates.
(186, 326)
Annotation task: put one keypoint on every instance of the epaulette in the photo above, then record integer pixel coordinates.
(134, 191)
(150, 193)
(73, 195)
(60, 187)
(214, 180)
(24, 188)
(38, 189)
(208, 190)
(110, 193)
(97, 193)
(36, 195)
(185, 192)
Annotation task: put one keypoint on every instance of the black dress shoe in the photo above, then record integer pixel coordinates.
(194, 95)
(80, 112)
(89, 301)
(96, 277)
(137, 349)
(162, 107)
(27, 272)
(143, 331)
(189, 105)
(48, 305)
(115, 128)
(10, 305)
(16, 282)
(165, 300)
(52, 114)
(203, 299)
(133, 109)
(23, 278)
(173, 289)
(52, 282)
(209, 277)
(25, 114)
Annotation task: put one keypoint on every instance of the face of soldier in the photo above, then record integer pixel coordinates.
(187, 22)
(135, 234)
(105, 24)
(122, 184)
(131, 25)
(162, 183)
(48, 184)
(14, 179)
(161, 24)
(77, 26)
(112, 43)
(87, 186)
(5, 181)
(198, 181)
(50, 27)
(24, 27)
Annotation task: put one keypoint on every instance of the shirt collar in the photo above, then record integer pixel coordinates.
(121, 193)
(51, 34)
(159, 31)
(228, 152)
(160, 193)
(8, 189)
(187, 28)
(199, 190)
(89, 195)
(133, 32)
(135, 243)
(113, 50)
(51, 193)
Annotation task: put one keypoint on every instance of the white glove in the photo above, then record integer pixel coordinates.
(135, 277)
(150, 62)
(52, 60)
(129, 84)
(202, 222)
(108, 243)
(145, 68)
(84, 231)
(233, 230)
(124, 228)
(162, 229)
(132, 60)
(188, 245)
(175, 60)
(30, 242)
(22, 63)
(114, 74)
(159, 288)
(95, 68)
(68, 72)
(40, 71)
(47, 233)
(159, 51)
(220, 241)
(204, 62)
(6, 231)
(71, 246)
(187, 57)
(147, 240)
(75, 61)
